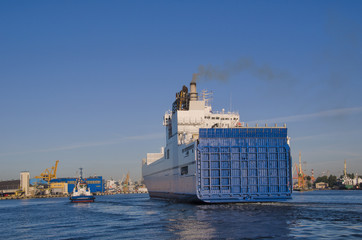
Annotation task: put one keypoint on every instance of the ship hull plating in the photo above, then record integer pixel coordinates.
(182, 197)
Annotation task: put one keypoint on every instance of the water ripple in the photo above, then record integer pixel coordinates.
(310, 215)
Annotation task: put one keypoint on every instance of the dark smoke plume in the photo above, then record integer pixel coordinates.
(264, 72)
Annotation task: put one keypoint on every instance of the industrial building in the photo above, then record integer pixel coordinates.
(16, 187)
(66, 185)
(321, 185)
(9, 187)
(59, 188)
(24, 182)
(46, 183)
(94, 183)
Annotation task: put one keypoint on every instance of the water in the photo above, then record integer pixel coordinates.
(310, 215)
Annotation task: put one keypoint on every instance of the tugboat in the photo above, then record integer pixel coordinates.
(81, 193)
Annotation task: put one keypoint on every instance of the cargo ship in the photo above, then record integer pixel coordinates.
(81, 192)
(212, 157)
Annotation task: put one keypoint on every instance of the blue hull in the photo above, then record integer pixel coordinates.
(219, 199)
(81, 199)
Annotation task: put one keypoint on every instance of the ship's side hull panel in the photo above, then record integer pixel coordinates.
(174, 177)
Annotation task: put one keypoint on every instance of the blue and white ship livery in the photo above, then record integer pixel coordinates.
(81, 192)
(212, 157)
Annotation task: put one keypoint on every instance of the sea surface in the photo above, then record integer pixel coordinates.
(310, 215)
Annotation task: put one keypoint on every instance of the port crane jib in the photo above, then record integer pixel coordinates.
(49, 174)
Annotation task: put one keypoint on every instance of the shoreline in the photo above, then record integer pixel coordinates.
(56, 196)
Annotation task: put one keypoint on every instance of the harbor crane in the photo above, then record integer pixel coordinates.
(300, 174)
(49, 174)
(126, 183)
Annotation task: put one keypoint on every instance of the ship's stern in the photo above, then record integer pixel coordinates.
(243, 165)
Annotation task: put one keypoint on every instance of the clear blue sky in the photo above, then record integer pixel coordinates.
(87, 82)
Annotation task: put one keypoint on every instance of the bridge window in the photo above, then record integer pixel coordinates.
(185, 170)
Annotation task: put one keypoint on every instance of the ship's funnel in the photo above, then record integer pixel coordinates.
(193, 92)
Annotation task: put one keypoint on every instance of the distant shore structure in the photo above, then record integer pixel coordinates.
(24, 182)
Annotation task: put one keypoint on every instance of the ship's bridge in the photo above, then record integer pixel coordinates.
(192, 111)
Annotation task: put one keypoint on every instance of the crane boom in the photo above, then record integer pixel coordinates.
(301, 183)
(48, 175)
(126, 184)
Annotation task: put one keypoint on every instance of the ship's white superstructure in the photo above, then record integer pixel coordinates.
(172, 172)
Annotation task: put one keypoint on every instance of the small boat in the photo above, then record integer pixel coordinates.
(81, 192)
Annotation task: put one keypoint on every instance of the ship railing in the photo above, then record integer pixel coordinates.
(226, 113)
